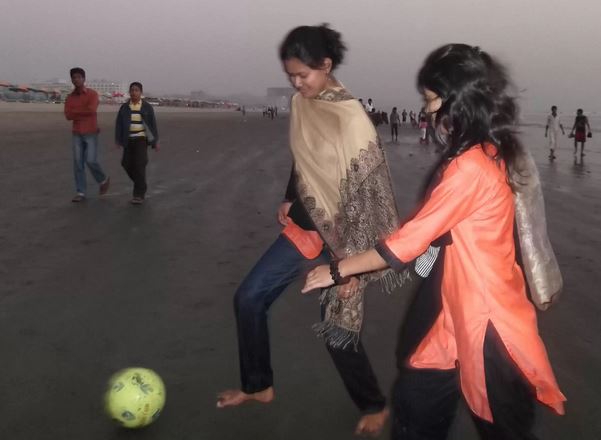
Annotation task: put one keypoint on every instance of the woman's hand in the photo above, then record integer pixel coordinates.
(367, 261)
(318, 278)
(348, 289)
(283, 213)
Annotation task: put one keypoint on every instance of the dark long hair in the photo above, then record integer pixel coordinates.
(312, 44)
(477, 105)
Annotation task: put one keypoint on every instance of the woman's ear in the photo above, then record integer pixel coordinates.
(327, 64)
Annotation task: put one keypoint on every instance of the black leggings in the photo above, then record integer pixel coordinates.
(425, 401)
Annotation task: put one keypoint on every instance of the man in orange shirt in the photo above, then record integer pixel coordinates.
(80, 107)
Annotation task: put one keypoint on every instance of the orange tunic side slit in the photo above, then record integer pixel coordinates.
(481, 283)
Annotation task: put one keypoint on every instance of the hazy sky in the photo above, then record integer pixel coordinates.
(230, 46)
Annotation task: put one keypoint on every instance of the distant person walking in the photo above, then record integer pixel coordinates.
(423, 128)
(135, 129)
(384, 117)
(80, 107)
(370, 107)
(579, 131)
(412, 119)
(395, 121)
(554, 124)
(404, 115)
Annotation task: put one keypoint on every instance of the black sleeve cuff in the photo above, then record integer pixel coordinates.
(391, 259)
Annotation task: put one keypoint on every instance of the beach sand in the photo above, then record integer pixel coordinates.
(91, 288)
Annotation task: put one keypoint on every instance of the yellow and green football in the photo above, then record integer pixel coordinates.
(135, 397)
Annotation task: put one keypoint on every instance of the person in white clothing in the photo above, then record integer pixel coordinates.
(552, 131)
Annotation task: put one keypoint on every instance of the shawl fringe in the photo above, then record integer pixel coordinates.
(331, 329)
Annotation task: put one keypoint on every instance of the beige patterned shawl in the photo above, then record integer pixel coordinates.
(344, 184)
(538, 259)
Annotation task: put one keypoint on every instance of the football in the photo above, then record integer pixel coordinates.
(135, 397)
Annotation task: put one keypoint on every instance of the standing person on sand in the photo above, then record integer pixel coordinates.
(554, 124)
(423, 127)
(395, 121)
(484, 342)
(135, 129)
(80, 107)
(579, 131)
(329, 212)
(412, 119)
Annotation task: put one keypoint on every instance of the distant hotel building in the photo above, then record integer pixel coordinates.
(102, 86)
(108, 88)
(280, 97)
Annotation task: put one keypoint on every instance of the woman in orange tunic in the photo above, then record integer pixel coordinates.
(484, 342)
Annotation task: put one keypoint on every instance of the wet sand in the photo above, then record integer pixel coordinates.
(88, 289)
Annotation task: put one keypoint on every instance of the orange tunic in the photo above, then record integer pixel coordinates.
(481, 281)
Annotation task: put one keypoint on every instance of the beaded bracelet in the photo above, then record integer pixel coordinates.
(336, 277)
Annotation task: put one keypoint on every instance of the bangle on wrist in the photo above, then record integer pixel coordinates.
(335, 273)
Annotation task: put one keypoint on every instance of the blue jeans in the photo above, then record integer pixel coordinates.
(275, 270)
(85, 151)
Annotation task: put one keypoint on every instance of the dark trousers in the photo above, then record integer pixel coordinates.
(394, 130)
(134, 161)
(425, 401)
(275, 270)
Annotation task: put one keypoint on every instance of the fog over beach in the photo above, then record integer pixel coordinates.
(548, 46)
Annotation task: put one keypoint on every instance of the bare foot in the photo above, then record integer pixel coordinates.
(238, 397)
(372, 424)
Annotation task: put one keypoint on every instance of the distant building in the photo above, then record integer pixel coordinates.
(280, 97)
(109, 88)
(109, 91)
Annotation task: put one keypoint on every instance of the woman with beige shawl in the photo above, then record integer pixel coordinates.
(339, 202)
